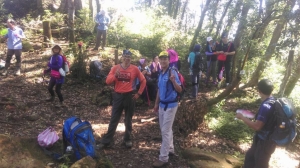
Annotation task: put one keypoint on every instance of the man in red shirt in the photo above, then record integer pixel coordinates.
(123, 76)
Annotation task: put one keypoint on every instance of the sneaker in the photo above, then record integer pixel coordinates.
(18, 73)
(51, 99)
(128, 144)
(159, 163)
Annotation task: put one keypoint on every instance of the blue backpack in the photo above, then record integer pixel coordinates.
(80, 136)
(284, 122)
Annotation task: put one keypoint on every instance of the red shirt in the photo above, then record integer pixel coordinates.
(126, 82)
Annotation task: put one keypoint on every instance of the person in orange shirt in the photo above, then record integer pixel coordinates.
(123, 76)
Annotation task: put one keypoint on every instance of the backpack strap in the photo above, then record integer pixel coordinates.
(169, 81)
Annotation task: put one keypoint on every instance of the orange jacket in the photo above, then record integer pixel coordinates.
(126, 82)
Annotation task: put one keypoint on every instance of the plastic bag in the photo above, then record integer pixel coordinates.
(62, 72)
(48, 137)
(221, 73)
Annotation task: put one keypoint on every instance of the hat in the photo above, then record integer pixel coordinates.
(224, 35)
(126, 52)
(197, 47)
(11, 21)
(163, 54)
(56, 46)
(208, 39)
(102, 12)
(142, 61)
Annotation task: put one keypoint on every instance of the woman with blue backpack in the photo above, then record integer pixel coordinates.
(55, 68)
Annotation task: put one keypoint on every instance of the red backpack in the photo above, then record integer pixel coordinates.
(66, 63)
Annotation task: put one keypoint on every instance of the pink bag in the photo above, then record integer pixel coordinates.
(48, 137)
(55, 74)
(221, 73)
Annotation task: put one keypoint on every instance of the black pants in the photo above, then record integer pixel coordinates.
(101, 36)
(121, 101)
(11, 52)
(227, 65)
(259, 154)
(57, 89)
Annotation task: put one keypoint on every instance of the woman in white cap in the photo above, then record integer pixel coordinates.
(211, 58)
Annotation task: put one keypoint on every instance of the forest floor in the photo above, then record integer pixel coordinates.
(25, 114)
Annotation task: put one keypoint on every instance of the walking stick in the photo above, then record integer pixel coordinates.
(147, 95)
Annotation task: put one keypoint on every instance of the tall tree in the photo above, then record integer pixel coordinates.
(220, 23)
(283, 19)
(98, 4)
(71, 13)
(91, 7)
(287, 74)
(214, 8)
(199, 27)
(183, 13)
(177, 6)
(294, 78)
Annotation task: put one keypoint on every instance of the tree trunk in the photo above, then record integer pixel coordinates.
(293, 79)
(78, 5)
(183, 12)
(196, 34)
(287, 74)
(63, 6)
(149, 3)
(71, 13)
(170, 7)
(220, 23)
(92, 11)
(177, 6)
(98, 6)
(214, 14)
(232, 16)
(239, 33)
(47, 31)
(271, 48)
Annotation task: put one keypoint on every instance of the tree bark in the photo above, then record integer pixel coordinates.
(220, 23)
(47, 31)
(170, 8)
(92, 11)
(214, 14)
(177, 6)
(199, 27)
(284, 18)
(239, 33)
(287, 74)
(232, 16)
(71, 13)
(98, 4)
(183, 13)
(293, 79)
(63, 6)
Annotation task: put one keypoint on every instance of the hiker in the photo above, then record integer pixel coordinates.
(262, 147)
(123, 76)
(166, 105)
(174, 58)
(211, 59)
(55, 64)
(155, 68)
(102, 20)
(225, 51)
(14, 46)
(149, 91)
(195, 72)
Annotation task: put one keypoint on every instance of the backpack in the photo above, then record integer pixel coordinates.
(283, 122)
(66, 64)
(79, 135)
(198, 63)
(182, 81)
(95, 68)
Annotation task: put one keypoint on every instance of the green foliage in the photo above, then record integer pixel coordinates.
(84, 25)
(26, 46)
(104, 163)
(57, 19)
(224, 124)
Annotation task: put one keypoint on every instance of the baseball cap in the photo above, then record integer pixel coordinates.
(208, 39)
(224, 35)
(127, 52)
(163, 54)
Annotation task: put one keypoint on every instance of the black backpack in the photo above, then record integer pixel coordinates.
(198, 63)
(283, 122)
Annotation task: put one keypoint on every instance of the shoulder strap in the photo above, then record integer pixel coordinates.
(229, 47)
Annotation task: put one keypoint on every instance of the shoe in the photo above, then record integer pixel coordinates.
(18, 72)
(128, 144)
(172, 154)
(51, 99)
(4, 73)
(102, 145)
(159, 163)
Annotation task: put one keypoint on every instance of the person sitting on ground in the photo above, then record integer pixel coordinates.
(211, 58)
(55, 63)
(123, 76)
(260, 152)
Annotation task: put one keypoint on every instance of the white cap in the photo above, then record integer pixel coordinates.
(209, 39)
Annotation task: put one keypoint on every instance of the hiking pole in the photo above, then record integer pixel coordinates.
(147, 95)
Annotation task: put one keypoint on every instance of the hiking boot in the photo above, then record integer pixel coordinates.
(4, 73)
(159, 163)
(128, 144)
(51, 99)
(103, 145)
(18, 72)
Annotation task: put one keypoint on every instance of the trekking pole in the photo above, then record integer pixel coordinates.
(147, 95)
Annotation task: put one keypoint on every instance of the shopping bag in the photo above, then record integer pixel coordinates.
(48, 137)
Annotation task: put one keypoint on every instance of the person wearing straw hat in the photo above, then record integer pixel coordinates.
(14, 38)
(166, 105)
(123, 76)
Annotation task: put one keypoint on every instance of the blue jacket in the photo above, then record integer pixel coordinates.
(102, 21)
